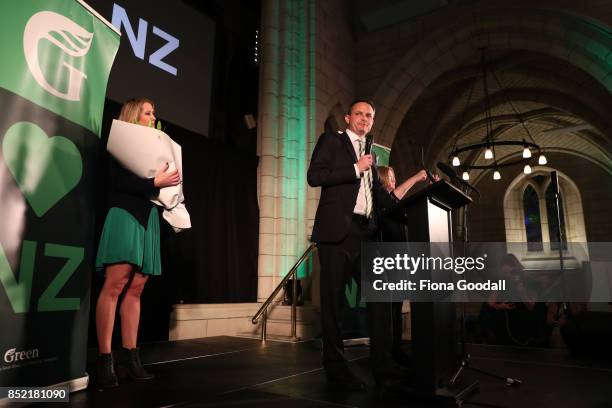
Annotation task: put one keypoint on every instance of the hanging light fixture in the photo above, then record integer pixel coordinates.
(465, 176)
(489, 143)
(526, 151)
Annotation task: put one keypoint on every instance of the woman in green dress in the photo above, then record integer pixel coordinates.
(128, 254)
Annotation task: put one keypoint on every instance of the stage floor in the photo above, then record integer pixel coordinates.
(238, 372)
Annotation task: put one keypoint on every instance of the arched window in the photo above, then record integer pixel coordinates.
(533, 225)
(530, 214)
(553, 225)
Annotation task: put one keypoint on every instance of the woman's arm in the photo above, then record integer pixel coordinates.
(403, 188)
(125, 181)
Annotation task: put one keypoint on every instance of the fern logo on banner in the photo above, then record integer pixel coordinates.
(71, 39)
(58, 55)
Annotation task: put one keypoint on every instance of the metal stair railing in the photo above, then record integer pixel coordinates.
(263, 310)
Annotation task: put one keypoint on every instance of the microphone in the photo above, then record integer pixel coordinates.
(368, 143)
(446, 169)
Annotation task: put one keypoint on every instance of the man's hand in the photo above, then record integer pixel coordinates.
(364, 163)
(165, 178)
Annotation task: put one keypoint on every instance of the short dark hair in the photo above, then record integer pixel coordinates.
(356, 101)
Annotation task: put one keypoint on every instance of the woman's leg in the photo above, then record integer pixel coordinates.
(130, 311)
(117, 276)
(129, 356)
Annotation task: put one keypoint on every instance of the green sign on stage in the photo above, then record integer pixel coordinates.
(57, 56)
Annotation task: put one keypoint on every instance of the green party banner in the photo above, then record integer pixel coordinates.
(56, 59)
(58, 55)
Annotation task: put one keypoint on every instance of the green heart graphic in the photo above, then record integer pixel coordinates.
(46, 168)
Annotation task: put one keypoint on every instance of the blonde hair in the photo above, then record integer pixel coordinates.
(130, 111)
(383, 173)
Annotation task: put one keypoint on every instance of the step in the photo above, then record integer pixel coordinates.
(189, 321)
(282, 329)
(270, 337)
(305, 314)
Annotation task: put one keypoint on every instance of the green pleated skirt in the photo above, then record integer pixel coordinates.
(124, 240)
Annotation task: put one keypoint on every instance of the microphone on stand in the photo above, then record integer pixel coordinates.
(446, 169)
(430, 176)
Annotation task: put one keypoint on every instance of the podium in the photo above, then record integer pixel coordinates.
(426, 217)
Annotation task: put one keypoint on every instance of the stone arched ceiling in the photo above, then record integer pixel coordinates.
(561, 106)
(554, 61)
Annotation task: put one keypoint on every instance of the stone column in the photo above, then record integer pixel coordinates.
(286, 132)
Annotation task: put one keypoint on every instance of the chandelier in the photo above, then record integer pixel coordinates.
(528, 144)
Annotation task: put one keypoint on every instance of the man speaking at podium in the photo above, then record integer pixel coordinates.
(351, 194)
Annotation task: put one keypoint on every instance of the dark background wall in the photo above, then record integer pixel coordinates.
(216, 260)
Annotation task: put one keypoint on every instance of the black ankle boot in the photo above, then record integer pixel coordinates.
(129, 361)
(105, 372)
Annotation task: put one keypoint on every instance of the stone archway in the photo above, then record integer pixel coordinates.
(570, 38)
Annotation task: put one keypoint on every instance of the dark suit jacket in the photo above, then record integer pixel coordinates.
(332, 168)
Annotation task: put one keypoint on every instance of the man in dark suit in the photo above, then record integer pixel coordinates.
(350, 193)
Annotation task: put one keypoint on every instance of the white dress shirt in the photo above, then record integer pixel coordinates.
(360, 205)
